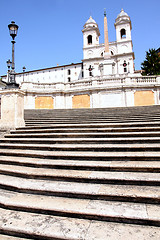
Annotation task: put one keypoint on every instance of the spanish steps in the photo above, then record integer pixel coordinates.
(82, 174)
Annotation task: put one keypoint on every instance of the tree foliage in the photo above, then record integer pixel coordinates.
(151, 64)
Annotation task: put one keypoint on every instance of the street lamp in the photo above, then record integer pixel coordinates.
(13, 28)
(24, 69)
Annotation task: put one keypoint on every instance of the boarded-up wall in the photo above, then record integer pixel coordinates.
(143, 98)
(44, 102)
(81, 101)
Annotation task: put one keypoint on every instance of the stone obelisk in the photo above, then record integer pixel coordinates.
(107, 58)
(106, 42)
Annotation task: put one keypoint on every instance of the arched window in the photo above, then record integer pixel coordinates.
(89, 39)
(123, 33)
(69, 71)
(112, 53)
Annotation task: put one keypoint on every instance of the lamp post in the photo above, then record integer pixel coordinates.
(9, 66)
(24, 69)
(13, 28)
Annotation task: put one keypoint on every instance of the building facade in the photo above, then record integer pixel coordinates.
(105, 77)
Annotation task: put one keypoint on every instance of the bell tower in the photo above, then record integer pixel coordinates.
(124, 43)
(90, 47)
(90, 38)
(123, 27)
(90, 33)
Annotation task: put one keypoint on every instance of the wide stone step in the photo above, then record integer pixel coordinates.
(47, 140)
(41, 226)
(80, 190)
(95, 125)
(94, 118)
(131, 166)
(38, 123)
(91, 118)
(70, 130)
(77, 155)
(139, 178)
(83, 147)
(126, 212)
(9, 237)
(101, 114)
(86, 135)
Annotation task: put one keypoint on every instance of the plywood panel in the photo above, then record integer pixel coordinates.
(44, 103)
(81, 101)
(143, 98)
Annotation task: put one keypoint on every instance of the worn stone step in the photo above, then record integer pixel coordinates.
(136, 213)
(79, 190)
(86, 135)
(83, 147)
(139, 178)
(97, 125)
(132, 166)
(81, 140)
(33, 123)
(40, 226)
(91, 119)
(70, 130)
(136, 156)
(9, 237)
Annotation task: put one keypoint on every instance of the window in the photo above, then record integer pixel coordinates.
(102, 54)
(123, 33)
(69, 79)
(69, 71)
(125, 66)
(82, 74)
(89, 39)
(112, 53)
(90, 70)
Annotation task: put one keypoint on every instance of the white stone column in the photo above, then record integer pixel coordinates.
(12, 109)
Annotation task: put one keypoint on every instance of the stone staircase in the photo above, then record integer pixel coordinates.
(82, 174)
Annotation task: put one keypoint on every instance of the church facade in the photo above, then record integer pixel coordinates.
(105, 77)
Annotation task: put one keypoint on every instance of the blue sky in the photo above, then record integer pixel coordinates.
(50, 30)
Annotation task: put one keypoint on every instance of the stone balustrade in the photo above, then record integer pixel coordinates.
(144, 80)
(93, 82)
